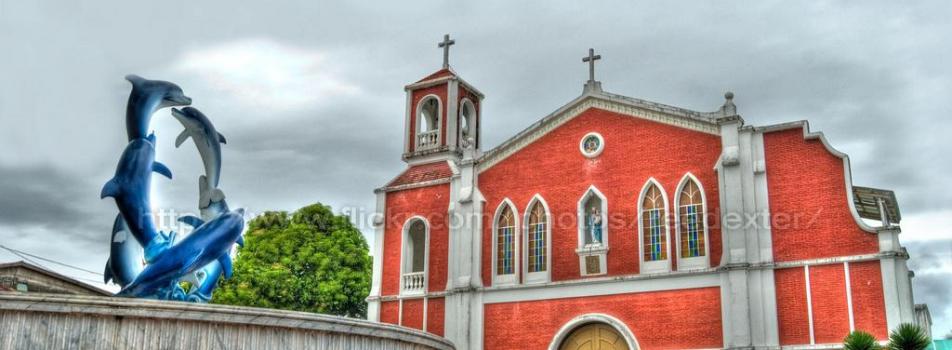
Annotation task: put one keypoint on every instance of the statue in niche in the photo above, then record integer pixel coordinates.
(594, 221)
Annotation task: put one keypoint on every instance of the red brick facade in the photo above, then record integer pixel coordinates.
(825, 267)
(650, 316)
(635, 151)
(808, 195)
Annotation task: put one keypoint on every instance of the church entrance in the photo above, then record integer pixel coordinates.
(594, 336)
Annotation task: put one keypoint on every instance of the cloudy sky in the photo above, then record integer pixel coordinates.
(310, 96)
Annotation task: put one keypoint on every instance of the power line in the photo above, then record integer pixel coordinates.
(19, 252)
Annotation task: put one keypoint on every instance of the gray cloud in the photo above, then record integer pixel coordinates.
(874, 78)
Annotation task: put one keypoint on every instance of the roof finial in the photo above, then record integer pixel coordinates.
(729, 109)
(445, 44)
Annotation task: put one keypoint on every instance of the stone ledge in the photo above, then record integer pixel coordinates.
(20, 306)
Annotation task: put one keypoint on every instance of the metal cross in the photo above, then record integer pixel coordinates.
(592, 57)
(446, 49)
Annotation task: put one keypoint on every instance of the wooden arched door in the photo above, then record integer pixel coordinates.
(594, 336)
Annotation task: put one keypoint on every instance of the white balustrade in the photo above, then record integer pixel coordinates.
(428, 139)
(414, 282)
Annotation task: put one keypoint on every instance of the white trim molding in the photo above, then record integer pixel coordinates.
(693, 262)
(541, 276)
(649, 267)
(405, 246)
(587, 319)
(514, 277)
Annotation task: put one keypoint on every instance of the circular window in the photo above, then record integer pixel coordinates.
(592, 145)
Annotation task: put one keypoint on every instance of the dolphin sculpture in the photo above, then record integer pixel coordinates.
(130, 189)
(208, 141)
(125, 255)
(211, 241)
(208, 275)
(148, 96)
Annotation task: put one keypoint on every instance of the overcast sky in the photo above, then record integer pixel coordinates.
(311, 96)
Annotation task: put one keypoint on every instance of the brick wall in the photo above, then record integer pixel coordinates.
(869, 305)
(431, 203)
(413, 313)
(435, 315)
(829, 302)
(683, 319)
(828, 295)
(792, 318)
(635, 150)
(390, 312)
(807, 189)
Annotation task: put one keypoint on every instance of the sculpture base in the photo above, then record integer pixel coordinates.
(47, 321)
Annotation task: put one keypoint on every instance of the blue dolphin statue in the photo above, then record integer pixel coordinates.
(130, 188)
(125, 255)
(202, 292)
(211, 241)
(148, 96)
(208, 141)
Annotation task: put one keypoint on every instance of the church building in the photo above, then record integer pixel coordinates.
(620, 223)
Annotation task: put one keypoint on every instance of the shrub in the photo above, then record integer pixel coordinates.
(908, 337)
(859, 340)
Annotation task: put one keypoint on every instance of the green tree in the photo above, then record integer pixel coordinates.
(859, 340)
(908, 337)
(311, 260)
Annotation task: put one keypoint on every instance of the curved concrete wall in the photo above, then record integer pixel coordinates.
(46, 321)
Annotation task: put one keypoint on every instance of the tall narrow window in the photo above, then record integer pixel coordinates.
(691, 217)
(428, 123)
(537, 238)
(654, 229)
(505, 242)
(413, 280)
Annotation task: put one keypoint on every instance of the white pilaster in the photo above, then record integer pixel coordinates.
(379, 222)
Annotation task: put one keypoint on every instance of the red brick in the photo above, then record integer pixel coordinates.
(792, 317)
(635, 150)
(831, 320)
(683, 319)
(869, 306)
(390, 312)
(431, 203)
(413, 313)
(435, 316)
(807, 188)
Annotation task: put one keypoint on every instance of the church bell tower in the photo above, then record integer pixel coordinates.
(442, 115)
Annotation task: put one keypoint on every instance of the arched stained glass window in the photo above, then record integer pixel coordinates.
(505, 242)
(654, 235)
(537, 238)
(691, 217)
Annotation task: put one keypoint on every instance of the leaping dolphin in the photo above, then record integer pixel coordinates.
(208, 141)
(146, 97)
(130, 188)
(125, 255)
(209, 242)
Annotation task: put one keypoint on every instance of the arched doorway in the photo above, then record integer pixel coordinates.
(594, 336)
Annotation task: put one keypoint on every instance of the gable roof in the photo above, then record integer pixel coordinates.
(421, 175)
(13, 266)
(594, 97)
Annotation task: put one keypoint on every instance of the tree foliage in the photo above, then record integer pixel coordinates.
(311, 260)
(908, 337)
(859, 340)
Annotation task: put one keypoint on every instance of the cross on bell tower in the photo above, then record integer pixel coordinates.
(445, 45)
(592, 84)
